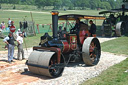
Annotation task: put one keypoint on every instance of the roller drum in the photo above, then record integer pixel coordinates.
(42, 60)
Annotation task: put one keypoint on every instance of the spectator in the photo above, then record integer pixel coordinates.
(17, 33)
(9, 22)
(20, 46)
(3, 25)
(9, 40)
(92, 28)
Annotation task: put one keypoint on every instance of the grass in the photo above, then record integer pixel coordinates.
(114, 75)
(39, 18)
(117, 46)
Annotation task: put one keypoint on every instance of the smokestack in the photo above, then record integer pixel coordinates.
(55, 23)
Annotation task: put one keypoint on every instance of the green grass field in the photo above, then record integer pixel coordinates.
(40, 17)
(117, 46)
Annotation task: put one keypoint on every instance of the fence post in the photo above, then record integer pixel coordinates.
(38, 28)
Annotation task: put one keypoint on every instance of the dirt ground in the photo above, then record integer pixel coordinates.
(17, 72)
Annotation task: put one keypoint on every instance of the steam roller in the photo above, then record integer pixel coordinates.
(57, 51)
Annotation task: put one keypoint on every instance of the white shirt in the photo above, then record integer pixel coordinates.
(17, 33)
(6, 39)
(9, 22)
(20, 39)
(3, 24)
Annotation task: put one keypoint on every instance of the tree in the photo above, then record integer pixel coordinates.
(92, 4)
(57, 4)
(40, 3)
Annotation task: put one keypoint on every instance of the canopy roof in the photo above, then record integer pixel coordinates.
(75, 16)
(114, 11)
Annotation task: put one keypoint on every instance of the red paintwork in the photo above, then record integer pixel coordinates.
(73, 42)
(82, 36)
(66, 46)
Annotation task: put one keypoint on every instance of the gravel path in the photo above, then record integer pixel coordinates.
(73, 74)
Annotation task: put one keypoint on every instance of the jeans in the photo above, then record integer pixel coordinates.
(10, 52)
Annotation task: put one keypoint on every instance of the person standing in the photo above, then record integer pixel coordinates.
(3, 25)
(9, 22)
(18, 31)
(92, 28)
(9, 40)
(20, 46)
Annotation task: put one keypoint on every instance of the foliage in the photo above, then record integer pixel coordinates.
(69, 4)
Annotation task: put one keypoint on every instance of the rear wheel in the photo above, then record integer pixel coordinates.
(120, 28)
(91, 51)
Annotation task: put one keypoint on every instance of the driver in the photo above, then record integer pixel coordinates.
(77, 25)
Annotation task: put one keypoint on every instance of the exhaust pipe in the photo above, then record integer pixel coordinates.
(55, 24)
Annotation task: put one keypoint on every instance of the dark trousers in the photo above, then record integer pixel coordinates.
(20, 49)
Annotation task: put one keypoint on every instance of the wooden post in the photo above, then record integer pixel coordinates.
(33, 24)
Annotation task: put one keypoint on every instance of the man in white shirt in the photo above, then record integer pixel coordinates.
(20, 46)
(17, 33)
(9, 40)
(9, 22)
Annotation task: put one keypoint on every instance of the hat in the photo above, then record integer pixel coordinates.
(20, 32)
(18, 29)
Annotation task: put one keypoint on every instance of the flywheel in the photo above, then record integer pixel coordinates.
(91, 51)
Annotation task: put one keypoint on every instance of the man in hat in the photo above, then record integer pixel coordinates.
(9, 40)
(92, 28)
(20, 46)
(18, 31)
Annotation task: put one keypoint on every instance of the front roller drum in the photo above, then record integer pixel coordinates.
(41, 63)
(91, 51)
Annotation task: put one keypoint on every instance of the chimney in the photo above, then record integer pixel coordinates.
(55, 23)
